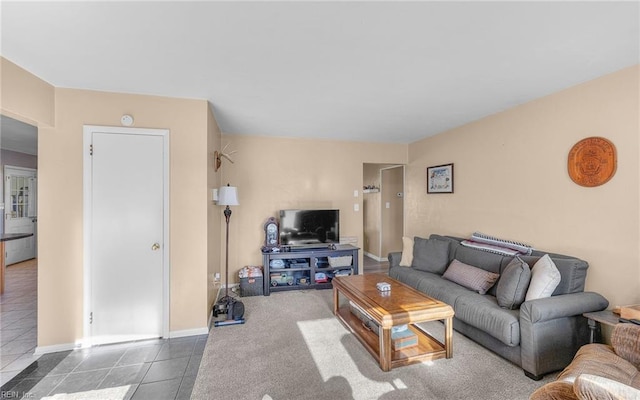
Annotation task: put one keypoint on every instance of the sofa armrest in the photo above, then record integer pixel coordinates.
(556, 390)
(564, 305)
(394, 259)
(553, 329)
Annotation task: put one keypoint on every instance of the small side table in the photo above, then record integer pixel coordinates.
(605, 317)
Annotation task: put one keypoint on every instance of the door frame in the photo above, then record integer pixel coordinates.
(382, 258)
(88, 131)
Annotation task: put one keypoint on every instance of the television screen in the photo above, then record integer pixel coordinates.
(309, 227)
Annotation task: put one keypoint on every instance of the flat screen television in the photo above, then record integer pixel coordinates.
(308, 228)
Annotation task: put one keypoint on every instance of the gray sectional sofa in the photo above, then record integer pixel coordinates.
(541, 335)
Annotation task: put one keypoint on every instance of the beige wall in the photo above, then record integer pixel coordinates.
(511, 181)
(60, 281)
(193, 133)
(280, 173)
(24, 96)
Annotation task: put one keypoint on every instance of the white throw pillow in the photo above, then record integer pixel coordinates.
(545, 278)
(407, 252)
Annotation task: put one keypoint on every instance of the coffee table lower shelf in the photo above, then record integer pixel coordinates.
(428, 347)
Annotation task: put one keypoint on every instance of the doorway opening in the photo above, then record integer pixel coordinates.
(383, 214)
(18, 214)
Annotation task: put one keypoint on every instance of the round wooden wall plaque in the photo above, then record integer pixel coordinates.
(592, 161)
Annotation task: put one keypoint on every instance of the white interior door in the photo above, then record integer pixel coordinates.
(127, 240)
(20, 189)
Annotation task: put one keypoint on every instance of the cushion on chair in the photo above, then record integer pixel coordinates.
(625, 340)
(590, 387)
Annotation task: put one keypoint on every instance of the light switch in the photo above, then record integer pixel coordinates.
(356, 207)
(387, 205)
(355, 193)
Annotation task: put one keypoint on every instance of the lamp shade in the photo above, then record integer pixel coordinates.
(228, 196)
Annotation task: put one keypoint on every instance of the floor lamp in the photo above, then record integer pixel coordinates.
(228, 196)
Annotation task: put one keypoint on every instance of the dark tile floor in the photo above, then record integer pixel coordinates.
(154, 369)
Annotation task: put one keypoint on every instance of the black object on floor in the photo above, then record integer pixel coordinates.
(232, 307)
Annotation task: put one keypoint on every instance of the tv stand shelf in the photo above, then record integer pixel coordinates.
(301, 266)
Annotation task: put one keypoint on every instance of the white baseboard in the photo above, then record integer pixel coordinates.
(40, 350)
(379, 259)
(189, 332)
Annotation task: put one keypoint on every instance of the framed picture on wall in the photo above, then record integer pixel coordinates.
(440, 179)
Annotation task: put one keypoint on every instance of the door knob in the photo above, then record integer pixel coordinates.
(155, 246)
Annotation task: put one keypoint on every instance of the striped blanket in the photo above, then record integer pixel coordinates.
(491, 244)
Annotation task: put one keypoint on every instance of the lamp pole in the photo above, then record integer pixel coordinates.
(227, 216)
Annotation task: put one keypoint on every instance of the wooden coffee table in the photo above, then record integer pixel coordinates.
(402, 305)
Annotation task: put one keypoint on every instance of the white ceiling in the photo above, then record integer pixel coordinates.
(368, 71)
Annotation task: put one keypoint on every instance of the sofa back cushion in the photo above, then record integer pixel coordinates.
(430, 255)
(573, 271)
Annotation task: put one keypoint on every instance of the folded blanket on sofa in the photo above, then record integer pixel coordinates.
(492, 244)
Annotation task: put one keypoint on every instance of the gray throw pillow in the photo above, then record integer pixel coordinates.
(474, 278)
(430, 255)
(513, 284)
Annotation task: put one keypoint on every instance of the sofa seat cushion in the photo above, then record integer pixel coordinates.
(484, 313)
(439, 288)
(408, 276)
(432, 285)
(601, 360)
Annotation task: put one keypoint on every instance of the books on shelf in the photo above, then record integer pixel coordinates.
(403, 339)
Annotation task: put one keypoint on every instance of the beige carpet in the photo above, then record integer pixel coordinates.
(292, 347)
